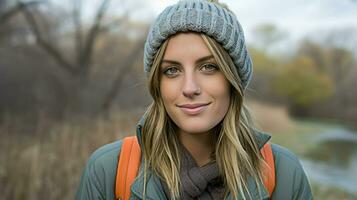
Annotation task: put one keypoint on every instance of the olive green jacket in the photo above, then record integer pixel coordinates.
(98, 179)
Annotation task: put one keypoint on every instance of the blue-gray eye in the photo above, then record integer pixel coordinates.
(209, 67)
(171, 71)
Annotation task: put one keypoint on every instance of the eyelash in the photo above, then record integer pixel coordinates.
(214, 68)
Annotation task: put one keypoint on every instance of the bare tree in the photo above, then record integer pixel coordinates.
(7, 14)
(113, 92)
(84, 38)
(84, 45)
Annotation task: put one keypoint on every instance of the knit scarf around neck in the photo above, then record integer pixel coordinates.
(201, 183)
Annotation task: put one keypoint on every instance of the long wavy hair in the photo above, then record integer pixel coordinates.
(236, 150)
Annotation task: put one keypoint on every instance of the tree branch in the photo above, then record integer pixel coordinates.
(85, 58)
(77, 13)
(47, 46)
(126, 67)
(13, 11)
(116, 22)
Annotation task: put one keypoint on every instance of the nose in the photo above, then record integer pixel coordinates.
(191, 86)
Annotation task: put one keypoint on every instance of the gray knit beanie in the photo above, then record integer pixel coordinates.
(206, 17)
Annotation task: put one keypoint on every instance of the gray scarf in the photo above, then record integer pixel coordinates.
(201, 183)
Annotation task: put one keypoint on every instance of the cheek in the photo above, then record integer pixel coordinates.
(169, 91)
(219, 89)
(221, 93)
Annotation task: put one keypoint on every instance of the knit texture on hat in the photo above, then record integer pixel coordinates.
(206, 17)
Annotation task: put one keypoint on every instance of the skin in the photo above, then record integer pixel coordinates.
(189, 75)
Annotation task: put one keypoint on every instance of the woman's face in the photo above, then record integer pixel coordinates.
(195, 92)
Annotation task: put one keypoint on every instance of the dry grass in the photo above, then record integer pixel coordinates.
(47, 163)
(270, 118)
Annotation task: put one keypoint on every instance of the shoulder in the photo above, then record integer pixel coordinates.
(291, 180)
(103, 162)
(287, 164)
(105, 154)
(284, 155)
(99, 174)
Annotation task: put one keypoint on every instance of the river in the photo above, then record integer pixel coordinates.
(333, 160)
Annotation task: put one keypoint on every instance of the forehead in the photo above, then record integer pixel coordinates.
(188, 45)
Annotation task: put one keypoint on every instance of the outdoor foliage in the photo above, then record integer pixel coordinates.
(302, 83)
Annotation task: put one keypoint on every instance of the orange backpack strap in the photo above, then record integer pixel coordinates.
(269, 173)
(128, 167)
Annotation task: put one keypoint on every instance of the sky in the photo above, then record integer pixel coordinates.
(299, 18)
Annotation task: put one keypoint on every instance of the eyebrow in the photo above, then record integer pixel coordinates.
(197, 61)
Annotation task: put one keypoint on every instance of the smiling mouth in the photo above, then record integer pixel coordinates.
(193, 109)
(194, 105)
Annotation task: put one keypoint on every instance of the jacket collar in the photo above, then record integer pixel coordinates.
(154, 188)
(139, 128)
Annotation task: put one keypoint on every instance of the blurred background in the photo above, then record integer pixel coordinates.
(71, 80)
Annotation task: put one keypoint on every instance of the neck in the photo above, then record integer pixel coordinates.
(200, 145)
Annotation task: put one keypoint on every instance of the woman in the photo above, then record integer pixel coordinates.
(196, 137)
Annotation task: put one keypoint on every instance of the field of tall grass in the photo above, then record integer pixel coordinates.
(45, 160)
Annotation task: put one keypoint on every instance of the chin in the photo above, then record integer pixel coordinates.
(202, 123)
(195, 127)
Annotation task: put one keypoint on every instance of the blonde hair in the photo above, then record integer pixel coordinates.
(236, 150)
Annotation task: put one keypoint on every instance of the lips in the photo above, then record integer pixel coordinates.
(193, 109)
(191, 106)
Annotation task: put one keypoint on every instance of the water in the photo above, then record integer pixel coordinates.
(333, 161)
